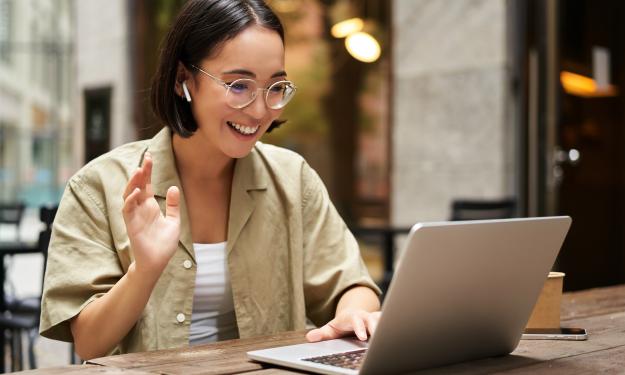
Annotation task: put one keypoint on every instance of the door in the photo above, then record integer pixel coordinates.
(589, 159)
(97, 122)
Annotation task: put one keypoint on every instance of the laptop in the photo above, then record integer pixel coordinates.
(461, 291)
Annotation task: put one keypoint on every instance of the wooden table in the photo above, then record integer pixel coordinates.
(600, 311)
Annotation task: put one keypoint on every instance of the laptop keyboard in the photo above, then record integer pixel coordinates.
(350, 360)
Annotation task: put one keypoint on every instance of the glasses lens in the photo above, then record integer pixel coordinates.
(279, 94)
(241, 93)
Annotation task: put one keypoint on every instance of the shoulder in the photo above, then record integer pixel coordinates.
(112, 169)
(120, 159)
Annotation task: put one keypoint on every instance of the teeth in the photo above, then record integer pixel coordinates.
(244, 129)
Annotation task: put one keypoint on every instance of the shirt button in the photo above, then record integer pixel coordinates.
(180, 318)
(187, 264)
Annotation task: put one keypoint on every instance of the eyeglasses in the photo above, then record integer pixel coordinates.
(241, 92)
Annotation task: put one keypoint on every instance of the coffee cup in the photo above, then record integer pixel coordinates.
(546, 313)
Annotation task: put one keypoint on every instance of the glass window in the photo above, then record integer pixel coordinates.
(5, 30)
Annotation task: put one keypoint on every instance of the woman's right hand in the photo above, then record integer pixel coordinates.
(153, 237)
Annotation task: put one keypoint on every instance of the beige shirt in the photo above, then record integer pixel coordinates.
(290, 255)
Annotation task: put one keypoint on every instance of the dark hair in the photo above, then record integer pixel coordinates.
(198, 31)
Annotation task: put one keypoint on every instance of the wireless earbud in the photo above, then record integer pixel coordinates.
(186, 91)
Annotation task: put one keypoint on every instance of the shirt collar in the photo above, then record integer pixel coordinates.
(249, 171)
(250, 174)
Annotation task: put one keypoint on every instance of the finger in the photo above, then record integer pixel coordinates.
(372, 322)
(172, 203)
(147, 172)
(359, 327)
(131, 200)
(327, 332)
(133, 183)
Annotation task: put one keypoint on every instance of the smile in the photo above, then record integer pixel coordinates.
(245, 130)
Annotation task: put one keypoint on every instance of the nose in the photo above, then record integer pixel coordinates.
(257, 108)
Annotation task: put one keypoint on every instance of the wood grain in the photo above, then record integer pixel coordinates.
(601, 311)
(593, 302)
(86, 369)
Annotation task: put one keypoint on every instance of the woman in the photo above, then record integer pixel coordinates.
(202, 233)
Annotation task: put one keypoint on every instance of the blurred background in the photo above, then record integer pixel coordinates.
(410, 110)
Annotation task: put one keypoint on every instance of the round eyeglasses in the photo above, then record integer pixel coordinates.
(243, 91)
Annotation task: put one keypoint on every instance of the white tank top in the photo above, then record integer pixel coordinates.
(213, 317)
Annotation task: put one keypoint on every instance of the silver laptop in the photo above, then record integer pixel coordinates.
(461, 291)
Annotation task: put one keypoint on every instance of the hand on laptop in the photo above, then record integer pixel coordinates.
(345, 323)
(356, 312)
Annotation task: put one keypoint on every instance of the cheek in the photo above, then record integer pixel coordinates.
(214, 110)
(275, 114)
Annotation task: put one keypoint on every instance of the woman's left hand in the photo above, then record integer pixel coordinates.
(345, 323)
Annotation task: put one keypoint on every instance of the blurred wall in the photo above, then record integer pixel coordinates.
(103, 60)
(36, 113)
(450, 137)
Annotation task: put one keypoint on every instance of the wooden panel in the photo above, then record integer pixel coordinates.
(593, 302)
(274, 371)
(85, 369)
(229, 353)
(606, 338)
(600, 311)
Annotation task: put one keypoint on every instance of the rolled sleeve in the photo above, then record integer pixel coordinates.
(332, 257)
(82, 262)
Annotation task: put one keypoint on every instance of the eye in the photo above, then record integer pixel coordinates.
(278, 87)
(239, 86)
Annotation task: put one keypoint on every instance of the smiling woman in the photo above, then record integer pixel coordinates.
(203, 233)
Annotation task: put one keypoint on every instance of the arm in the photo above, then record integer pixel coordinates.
(153, 240)
(337, 283)
(120, 308)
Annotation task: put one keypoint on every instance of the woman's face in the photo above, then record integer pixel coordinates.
(256, 53)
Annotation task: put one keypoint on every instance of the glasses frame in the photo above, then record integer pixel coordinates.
(228, 87)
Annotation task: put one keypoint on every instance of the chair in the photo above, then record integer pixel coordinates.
(11, 214)
(475, 209)
(22, 315)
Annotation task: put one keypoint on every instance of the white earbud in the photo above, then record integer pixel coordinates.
(186, 91)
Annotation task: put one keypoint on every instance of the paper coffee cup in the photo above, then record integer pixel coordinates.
(546, 312)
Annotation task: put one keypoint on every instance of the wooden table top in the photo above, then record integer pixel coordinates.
(601, 311)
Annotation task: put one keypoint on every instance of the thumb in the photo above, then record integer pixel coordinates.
(327, 332)
(172, 203)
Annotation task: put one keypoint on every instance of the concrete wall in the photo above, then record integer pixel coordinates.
(450, 136)
(103, 60)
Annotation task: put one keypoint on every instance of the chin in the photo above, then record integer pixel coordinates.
(239, 152)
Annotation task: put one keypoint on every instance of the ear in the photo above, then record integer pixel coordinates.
(182, 74)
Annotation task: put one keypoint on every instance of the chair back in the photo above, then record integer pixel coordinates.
(473, 209)
(46, 215)
(11, 214)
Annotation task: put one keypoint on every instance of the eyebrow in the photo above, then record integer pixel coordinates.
(250, 74)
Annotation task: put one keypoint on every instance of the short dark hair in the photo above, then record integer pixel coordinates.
(198, 31)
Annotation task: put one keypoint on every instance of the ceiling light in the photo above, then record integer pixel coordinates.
(345, 28)
(579, 85)
(362, 46)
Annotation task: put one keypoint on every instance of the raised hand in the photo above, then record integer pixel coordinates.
(153, 237)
